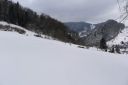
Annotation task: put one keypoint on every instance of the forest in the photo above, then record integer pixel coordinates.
(43, 24)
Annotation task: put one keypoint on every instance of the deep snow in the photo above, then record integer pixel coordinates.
(27, 60)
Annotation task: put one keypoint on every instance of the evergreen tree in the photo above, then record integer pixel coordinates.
(112, 49)
(103, 44)
(0, 10)
(11, 13)
(117, 49)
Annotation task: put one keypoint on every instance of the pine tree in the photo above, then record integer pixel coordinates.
(103, 44)
(117, 49)
(0, 11)
(12, 14)
(112, 49)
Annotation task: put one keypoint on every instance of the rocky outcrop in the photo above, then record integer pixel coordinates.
(108, 30)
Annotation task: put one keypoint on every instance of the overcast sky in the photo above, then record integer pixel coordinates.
(75, 10)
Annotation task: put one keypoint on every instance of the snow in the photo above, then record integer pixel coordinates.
(28, 33)
(122, 36)
(3, 23)
(29, 60)
(36, 61)
(83, 33)
(92, 26)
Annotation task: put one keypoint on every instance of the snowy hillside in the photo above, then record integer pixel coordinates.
(120, 42)
(123, 36)
(28, 33)
(4, 26)
(28, 60)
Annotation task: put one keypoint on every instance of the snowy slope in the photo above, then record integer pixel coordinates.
(28, 33)
(35, 61)
(123, 36)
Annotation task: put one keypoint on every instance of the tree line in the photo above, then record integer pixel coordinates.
(16, 14)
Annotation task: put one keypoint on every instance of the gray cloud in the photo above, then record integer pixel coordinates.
(75, 10)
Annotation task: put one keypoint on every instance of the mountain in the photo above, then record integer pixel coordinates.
(108, 30)
(82, 28)
(42, 24)
(121, 41)
(29, 60)
(122, 37)
(78, 26)
(91, 34)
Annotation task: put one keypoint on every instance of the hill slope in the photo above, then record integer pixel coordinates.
(35, 61)
(121, 41)
(122, 36)
(16, 14)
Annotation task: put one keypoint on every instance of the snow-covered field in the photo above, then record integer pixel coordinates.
(28, 60)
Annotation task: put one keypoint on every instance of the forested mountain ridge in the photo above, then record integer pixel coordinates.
(16, 14)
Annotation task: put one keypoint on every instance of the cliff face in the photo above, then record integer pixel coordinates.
(108, 30)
